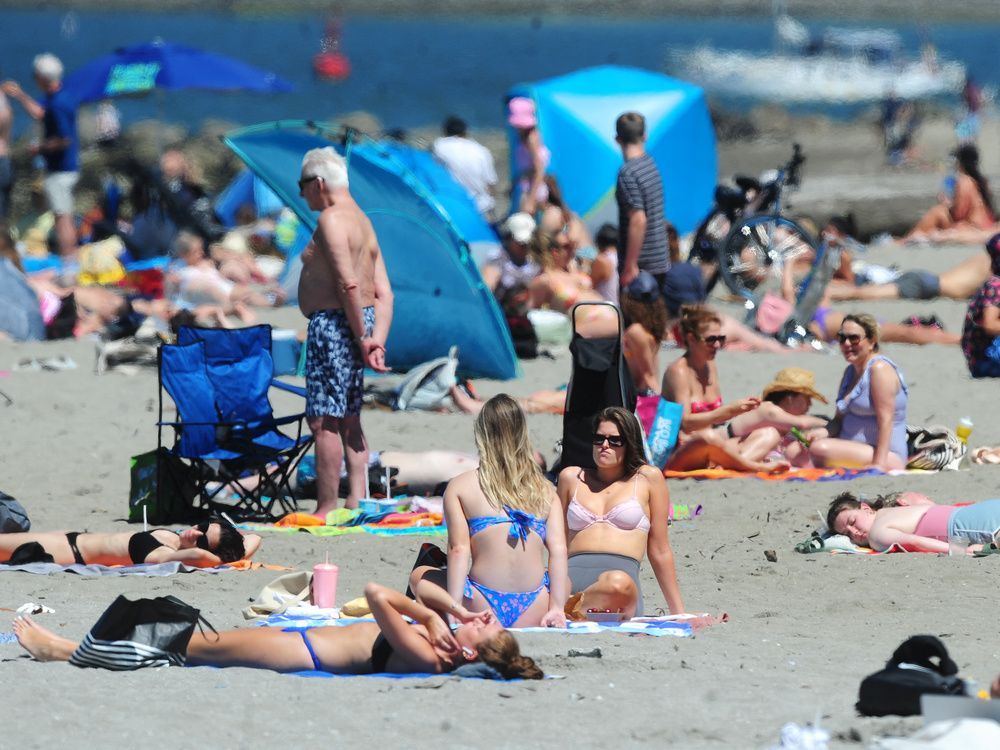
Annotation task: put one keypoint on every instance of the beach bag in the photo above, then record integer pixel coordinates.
(664, 427)
(428, 386)
(13, 516)
(933, 448)
(919, 666)
(141, 633)
(173, 503)
(522, 333)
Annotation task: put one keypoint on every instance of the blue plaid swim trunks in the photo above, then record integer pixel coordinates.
(334, 368)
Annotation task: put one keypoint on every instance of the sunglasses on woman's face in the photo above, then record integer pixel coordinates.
(202, 540)
(719, 339)
(852, 338)
(615, 441)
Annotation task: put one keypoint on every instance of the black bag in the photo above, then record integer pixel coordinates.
(523, 335)
(920, 665)
(141, 633)
(13, 517)
(172, 503)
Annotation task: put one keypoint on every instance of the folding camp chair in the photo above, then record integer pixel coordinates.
(229, 442)
(599, 379)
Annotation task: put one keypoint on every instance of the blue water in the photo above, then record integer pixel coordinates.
(410, 72)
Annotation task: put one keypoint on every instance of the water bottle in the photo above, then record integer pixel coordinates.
(964, 429)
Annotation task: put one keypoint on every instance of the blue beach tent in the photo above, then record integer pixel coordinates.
(246, 188)
(440, 298)
(576, 119)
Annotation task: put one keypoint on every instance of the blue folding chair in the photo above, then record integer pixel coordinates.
(227, 437)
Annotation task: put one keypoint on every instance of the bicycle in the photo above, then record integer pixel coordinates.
(763, 236)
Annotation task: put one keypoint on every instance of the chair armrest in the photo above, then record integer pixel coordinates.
(296, 389)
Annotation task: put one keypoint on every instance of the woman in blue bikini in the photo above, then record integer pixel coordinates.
(390, 644)
(617, 514)
(502, 517)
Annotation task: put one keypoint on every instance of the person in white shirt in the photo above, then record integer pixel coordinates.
(469, 162)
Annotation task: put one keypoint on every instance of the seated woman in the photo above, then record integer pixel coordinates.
(206, 545)
(617, 514)
(645, 318)
(981, 331)
(502, 517)
(557, 217)
(693, 382)
(390, 644)
(969, 207)
(870, 426)
(925, 527)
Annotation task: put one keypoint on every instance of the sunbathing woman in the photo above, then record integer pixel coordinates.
(693, 382)
(968, 210)
(870, 427)
(206, 545)
(617, 514)
(501, 519)
(924, 527)
(390, 644)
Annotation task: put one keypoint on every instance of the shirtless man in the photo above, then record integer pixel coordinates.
(958, 282)
(344, 291)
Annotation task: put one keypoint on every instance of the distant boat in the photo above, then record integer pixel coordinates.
(330, 63)
(846, 66)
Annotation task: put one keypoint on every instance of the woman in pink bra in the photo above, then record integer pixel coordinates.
(921, 525)
(616, 514)
(693, 382)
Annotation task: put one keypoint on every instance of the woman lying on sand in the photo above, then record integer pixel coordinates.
(924, 526)
(390, 644)
(206, 545)
(616, 514)
(502, 519)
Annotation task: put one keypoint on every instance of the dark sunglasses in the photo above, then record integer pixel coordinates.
(710, 340)
(853, 338)
(615, 441)
(306, 180)
(202, 541)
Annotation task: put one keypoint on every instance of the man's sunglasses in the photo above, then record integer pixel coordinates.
(615, 441)
(305, 181)
(853, 338)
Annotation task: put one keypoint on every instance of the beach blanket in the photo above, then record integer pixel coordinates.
(157, 570)
(795, 475)
(677, 626)
(343, 521)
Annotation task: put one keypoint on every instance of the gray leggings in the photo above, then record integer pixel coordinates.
(586, 567)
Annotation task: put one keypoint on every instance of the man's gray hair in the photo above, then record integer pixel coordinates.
(48, 67)
(326, 164)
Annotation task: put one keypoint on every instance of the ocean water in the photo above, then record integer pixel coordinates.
(412, 72)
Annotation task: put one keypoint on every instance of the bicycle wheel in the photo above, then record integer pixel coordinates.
(708, 241)
(755, 244)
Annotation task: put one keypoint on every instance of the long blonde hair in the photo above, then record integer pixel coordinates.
(508, 474)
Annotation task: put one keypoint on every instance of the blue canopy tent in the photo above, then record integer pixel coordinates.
(440, 298)
(576, 118)
(246, 188)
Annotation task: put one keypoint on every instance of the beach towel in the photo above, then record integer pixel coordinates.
(839, 544)
(343, 521)
(157, 570)
(832, 474)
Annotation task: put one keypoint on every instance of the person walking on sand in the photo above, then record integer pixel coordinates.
(59, 145)
(642, 234)
(344, 291)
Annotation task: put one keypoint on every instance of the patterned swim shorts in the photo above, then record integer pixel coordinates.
(334, 368)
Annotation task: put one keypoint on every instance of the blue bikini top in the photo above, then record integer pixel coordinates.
(521, 523)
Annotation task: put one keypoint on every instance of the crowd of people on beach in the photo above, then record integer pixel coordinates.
(524, 549)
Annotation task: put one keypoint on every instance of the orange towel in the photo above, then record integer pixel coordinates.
(299, 519)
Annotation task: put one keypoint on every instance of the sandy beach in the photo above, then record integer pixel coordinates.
(803, 633)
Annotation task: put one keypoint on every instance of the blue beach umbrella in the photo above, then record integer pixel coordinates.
(139, 69)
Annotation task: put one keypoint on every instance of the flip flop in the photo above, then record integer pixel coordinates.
(986, 455)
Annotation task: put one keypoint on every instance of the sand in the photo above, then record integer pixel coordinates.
(803, 632)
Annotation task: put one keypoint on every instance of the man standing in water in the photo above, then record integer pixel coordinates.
(344, 291)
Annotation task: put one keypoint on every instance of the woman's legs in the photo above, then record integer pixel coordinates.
(847, 453)
(708, 450)
(900, 334)
(937, 217)
(614, 590)
(257, 648)
(41, 643)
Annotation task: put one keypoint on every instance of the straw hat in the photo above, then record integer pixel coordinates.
(794, 379)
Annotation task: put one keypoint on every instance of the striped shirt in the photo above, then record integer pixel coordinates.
(640, 187)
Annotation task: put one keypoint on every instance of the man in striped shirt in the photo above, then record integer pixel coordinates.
(642, 232)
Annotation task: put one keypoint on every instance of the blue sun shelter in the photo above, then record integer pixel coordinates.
(576, 119)
(440, 298)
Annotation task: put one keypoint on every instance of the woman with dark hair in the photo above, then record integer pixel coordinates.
(390, 644)
(693, 382)
(503, 521)
(966, 211)
(870, 426)
(645, 318)
(616, 514)
(981, 330)
(206, 545)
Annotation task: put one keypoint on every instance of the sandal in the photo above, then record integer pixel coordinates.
(812, 544)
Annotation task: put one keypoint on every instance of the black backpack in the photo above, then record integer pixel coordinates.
(920, 665)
